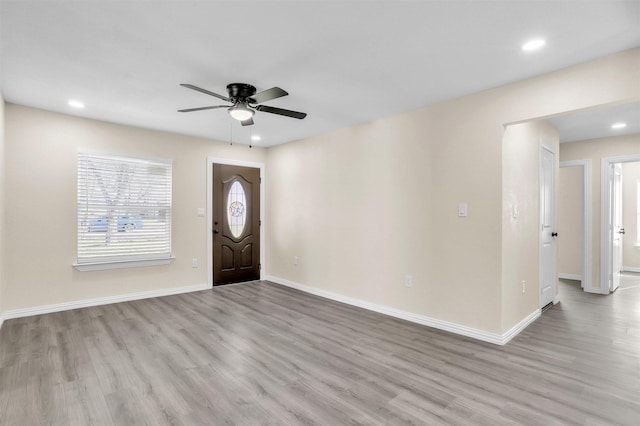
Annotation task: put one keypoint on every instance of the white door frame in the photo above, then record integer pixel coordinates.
(605, 215)
(210, 162)
(587, 222)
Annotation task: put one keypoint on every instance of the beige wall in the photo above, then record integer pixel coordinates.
(520, 235)
(596, 149)
(570, 213)
(631, 248)
(361, 207)
(364, 206)
(40, 235)
(358, 206)
(2, 207)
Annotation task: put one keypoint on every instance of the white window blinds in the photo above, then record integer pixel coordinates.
(124, 209)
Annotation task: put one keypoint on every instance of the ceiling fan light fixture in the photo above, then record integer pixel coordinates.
(246, 102)
(241, 112)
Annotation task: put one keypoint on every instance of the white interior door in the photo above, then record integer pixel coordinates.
(616, 228)
(547, 225)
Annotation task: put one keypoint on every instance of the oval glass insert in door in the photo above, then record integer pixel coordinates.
(236, 209)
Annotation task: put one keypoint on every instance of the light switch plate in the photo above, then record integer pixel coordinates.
(200, 212)
(462, 210)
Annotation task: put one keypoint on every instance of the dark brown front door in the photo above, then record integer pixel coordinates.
(236, 224)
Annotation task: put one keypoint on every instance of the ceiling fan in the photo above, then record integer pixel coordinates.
(245, 102)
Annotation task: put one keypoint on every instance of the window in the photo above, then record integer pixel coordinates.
(124, 212)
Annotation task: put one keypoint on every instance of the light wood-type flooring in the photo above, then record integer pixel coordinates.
(258, 353)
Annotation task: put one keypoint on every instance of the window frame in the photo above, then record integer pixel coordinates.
(97, 262)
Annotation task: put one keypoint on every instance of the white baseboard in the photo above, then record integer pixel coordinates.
(516, 329)
(498, 339)
(630, 269)
(575, 277)
(65, 306)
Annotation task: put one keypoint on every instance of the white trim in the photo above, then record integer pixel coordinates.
(65, 306)
(497, 339)
(605, 216)
(1, 320)
(569, 276)
(587, 222)
(524, 323)
(99, 266)
(630, 269)
(216, 160)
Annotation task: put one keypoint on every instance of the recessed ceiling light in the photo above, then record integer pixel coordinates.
(75, 104)
(533, 45)
(619, 125)
(255, 138)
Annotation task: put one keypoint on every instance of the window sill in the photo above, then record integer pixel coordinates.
(99, 266)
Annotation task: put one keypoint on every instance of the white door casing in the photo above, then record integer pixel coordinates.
(547, 225)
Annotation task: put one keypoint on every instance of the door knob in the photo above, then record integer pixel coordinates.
(215, 231)
(621, 231)
(554, 234)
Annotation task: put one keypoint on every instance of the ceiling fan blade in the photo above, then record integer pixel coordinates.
(267, 95)
(280, 111)
(202, 108)
(206, 92)
(248, 122)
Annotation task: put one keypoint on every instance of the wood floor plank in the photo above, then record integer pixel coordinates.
(259, 353)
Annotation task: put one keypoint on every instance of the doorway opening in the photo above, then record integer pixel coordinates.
(575, 221)
(620, 214)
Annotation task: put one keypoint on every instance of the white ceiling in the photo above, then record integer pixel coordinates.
(596, 123)
(343, 62)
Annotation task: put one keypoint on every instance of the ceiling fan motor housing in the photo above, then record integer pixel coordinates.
(240, 91)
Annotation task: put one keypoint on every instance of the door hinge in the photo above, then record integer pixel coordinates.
(259, 266)
(259, 223)
(260, 180)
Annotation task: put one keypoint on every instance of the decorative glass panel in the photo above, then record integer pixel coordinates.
(236, 209)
